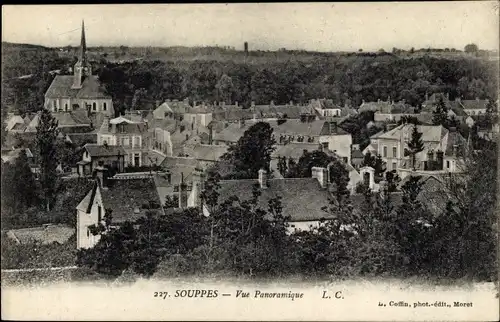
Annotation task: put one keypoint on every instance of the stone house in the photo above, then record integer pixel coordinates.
(128, 198)
(132, 136)
(94, 156)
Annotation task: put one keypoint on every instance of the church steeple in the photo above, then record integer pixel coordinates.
(83, 45)
(82, 66)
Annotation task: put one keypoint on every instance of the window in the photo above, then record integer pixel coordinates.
(88, 232)
(99, 214)
(385, 152)
(137, 141)
(94, 106)
(86, 154)
(325, 145)
(394, 166)
(104, 106)
(447, 164)
(137, 159)
(54, 105)
(66, 106)
(394, 152)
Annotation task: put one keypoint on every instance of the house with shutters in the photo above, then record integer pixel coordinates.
(132, 136)
(94, 156)
(329, 134)
(444, 149)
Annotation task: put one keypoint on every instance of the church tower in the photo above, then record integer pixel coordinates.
(82, 66)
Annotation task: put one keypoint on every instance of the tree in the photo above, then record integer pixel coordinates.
(369, 160)
(252, 152)
(18, 186)
(415, 145)
(379, 166)
(225, 88)
(440, 113)
(339, 177)
(307, 161)
(171, 201)
(471, 48)
(46, 137)
(411, 227)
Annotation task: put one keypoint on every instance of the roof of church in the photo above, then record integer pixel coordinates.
(61, 88)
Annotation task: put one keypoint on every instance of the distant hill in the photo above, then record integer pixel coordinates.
(14, 46)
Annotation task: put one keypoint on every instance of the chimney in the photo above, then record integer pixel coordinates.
(236, 103)
(182, 193)
(271, 103)
(263, 178)
(210, 134)
(291, 103)
(168, 174)
(439, 159)
(223, 104)
(198, 186)
(321, 175)
(333, 127)
(101, 174)
(252, 104)
(378, 101)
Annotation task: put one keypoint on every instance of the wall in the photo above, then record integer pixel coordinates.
(302, 225)
(340, 143)
(389, 159)
(61, 104)
(85, 220)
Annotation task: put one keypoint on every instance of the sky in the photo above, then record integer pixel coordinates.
(268, 26)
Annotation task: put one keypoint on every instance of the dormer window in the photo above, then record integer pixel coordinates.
(94, 106)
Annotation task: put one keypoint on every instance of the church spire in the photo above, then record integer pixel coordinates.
(83, 45)
(82, 67)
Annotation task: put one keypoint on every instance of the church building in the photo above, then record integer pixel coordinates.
(80, 91)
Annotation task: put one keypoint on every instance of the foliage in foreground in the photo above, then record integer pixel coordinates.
(384, 237)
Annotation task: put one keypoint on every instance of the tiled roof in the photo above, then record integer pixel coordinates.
(80, 139)
(232, 114)
(294, 150)
(474, 104)
(18, 127)
(73, 118)
(357, 154)
(292, 191)
(61, 87)
(433, 133)
(12, 155)
(206, 152)
(126, 198)
(233, 132)
(165, 124)
(46, 234)
(104, 150)
(454, 138)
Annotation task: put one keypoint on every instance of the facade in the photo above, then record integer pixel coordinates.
(129, 198)
(132, 136)
(329, 134)
(80, 91)
(95, 156)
